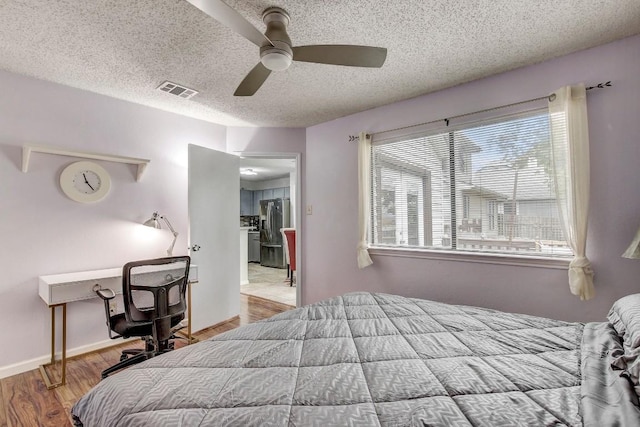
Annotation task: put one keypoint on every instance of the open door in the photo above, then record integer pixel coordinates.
(214, 235)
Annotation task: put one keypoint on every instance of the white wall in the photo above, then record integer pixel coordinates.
(43, 232)
(331, 234)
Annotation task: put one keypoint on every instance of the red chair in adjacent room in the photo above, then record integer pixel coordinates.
(286, 251)
(290, 242)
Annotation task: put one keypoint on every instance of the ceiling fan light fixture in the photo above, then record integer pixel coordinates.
(276, 51)
(276, 59)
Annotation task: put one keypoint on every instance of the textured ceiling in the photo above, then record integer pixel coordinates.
(126, 48)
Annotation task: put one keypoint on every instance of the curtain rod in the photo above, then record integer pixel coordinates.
(446, 120)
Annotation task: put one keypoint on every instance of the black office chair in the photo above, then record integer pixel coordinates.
(153, 295)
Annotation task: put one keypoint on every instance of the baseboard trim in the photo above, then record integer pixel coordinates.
(28, 365)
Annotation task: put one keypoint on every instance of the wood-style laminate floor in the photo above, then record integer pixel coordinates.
(25, 400)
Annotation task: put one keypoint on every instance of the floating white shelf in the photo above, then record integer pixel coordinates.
(28, 149)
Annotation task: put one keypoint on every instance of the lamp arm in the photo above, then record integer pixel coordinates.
(168, 224)
(175, 235)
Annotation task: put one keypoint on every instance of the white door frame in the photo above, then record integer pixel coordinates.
(298, 208)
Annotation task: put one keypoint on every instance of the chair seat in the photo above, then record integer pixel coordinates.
(120, 325)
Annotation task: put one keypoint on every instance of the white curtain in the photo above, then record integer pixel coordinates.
(570, 154)
(364, 200)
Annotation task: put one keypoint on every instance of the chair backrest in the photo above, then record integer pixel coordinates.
(285, 244)
(153, 291)
(290, 240)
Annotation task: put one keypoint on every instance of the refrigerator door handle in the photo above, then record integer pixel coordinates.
(269, 213)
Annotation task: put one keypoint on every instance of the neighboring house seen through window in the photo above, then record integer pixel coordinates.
(485, 188)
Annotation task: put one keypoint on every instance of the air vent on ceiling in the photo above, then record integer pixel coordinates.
(177, 90)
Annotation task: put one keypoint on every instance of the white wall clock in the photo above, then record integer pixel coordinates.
(85, 182)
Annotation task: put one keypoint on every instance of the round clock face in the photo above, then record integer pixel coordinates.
(85, 182)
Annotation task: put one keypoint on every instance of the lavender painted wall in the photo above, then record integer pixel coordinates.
(614, 124)
(43, 232)
(266, 140)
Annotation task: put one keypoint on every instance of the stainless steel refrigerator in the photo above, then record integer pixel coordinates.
(274, 215)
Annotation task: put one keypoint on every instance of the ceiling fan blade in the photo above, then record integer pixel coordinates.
(253, 81)
(226, 15)
(350, 55)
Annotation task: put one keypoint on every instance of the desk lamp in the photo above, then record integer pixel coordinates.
(633, 251)
(154, 222)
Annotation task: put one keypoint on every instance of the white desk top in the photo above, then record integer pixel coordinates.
(67, 287)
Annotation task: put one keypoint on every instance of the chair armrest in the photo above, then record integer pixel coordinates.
(106, 294)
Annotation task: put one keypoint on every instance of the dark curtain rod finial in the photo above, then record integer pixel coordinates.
(353, 138)
(600, 85)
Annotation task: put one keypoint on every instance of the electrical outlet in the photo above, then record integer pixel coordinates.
(113, 307)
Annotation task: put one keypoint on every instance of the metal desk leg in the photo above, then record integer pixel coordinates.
(63, 361)
(190, 339)
(189, 314)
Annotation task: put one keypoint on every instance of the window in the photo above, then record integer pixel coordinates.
(466, 201)
(484, 188)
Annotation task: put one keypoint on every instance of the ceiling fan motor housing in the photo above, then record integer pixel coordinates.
(276, 57)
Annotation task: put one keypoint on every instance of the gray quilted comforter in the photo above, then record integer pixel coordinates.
(361, 359)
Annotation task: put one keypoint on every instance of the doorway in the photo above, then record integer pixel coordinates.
(269, 203)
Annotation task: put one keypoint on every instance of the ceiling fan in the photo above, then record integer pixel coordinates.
(276, 52)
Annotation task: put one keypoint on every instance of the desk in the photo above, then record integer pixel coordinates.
(59, 289)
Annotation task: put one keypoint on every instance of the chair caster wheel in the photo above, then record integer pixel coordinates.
(123, 357)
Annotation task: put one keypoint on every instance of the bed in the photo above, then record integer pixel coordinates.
(372, 359)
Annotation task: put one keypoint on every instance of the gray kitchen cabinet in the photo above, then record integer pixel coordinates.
(257, 196)
(267, 194)
(278, 193)
(287, 192)
(246, 202)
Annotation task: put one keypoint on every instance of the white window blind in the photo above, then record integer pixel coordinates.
(487, 187)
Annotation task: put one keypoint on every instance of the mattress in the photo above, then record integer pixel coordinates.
(362, 359)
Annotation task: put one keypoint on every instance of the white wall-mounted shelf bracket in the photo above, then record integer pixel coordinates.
(27, 149)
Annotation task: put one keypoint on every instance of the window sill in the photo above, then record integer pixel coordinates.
(483, 258)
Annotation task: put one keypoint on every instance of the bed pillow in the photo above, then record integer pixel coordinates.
(625, 318)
